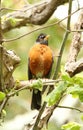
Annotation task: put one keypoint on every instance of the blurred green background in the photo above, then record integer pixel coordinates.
(21, 104)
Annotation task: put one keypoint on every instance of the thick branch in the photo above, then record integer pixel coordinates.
(73, 66)
(21, 85)
(27, 84)
(37, 14)
(10, 61)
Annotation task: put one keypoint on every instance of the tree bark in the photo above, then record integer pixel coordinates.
(74, 66)
(37, 14)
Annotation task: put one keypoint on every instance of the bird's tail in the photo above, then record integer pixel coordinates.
(36, 100)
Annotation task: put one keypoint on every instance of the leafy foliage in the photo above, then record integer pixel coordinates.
(76, 90)
(38, 84)
(2, 96)
(56, 94)
(68, 85)
(75, 86)
(71, 126)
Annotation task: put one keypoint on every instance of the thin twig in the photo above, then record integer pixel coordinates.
(72, 108)
(78, 30)
(36, 5)
(70, 31)
(41, 28)
(1, 67)
(4, 8)
(2, 105)
(24, 8)
(57, 69)
(35, 127)
(27, 85)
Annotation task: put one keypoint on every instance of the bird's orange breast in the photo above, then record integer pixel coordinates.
(40, 60)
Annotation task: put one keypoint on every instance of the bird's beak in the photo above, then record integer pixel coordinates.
(46, 38)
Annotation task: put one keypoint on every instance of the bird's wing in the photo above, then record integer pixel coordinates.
(29, 71)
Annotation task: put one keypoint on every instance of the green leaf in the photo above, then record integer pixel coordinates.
(76, 90)
(74, 80)
(71, 126)
(79, 81)
(2, 96)
(56, 94)
(38, 84)
(67, 78)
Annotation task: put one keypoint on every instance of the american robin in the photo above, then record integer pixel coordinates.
(39, 65)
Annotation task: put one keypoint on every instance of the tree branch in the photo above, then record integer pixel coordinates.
(10, 62)
(37, 14)
(57, 69)
(21, 85)
(73, 66)
(48, 111)
(46, 26)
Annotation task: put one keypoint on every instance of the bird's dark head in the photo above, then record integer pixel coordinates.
(42, 39)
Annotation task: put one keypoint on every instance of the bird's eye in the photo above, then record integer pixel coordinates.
(42, 37)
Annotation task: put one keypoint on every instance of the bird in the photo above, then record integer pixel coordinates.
(40, 62)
